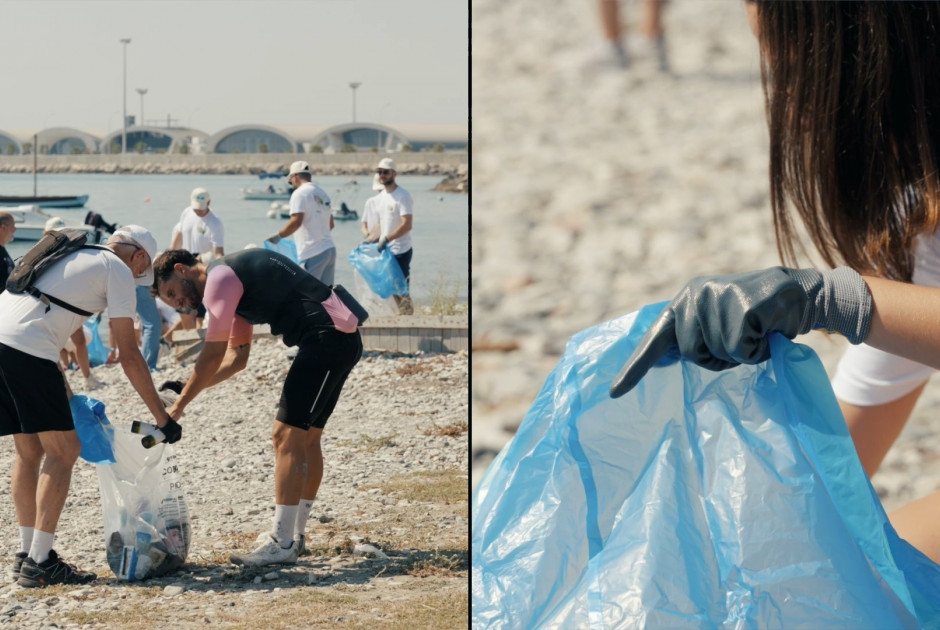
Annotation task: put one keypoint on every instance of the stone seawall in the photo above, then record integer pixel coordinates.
(444, 164)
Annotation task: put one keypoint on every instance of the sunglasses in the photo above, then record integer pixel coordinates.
(383, 171)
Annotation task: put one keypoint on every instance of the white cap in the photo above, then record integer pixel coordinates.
(54, 224)
(376, 184)
(299, 167)
(199, 200)
(387, 163)
(145, 239)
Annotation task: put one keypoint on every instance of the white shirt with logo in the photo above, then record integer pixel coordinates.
(89, 279)
(392, 207)
(201, 234)
(313, 236)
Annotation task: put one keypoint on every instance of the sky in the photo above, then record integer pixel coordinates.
(212, 64)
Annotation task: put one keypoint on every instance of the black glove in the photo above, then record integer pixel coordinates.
(174, 386)
(172, 430)
(719, 322)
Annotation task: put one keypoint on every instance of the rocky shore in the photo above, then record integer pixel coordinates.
(599, 190)
(379, 550)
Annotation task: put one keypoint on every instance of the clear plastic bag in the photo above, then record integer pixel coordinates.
(146, 516)
(700, 499)
(379, 269)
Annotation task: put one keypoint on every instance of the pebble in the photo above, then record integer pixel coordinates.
(598, 192)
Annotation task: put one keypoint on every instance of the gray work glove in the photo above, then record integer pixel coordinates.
(719, 322)
(383, 243)
(274, 238)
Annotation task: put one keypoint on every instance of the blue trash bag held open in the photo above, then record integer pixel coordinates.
(284, 246)
(698, 500)
(94, 430)
(380, 270)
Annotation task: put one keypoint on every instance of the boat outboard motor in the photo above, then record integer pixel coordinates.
(96, 221)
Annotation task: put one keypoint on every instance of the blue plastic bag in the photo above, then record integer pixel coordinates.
(97, 351)
(284, 246)
(379, 269)
(93, 428)
(698, 500)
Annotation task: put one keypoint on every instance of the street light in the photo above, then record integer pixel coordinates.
(125, 41)
(141, 91)
(354, 85)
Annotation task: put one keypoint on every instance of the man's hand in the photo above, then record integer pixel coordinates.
(383, 243)
(172, 430)
(721, 321)
(274, 238)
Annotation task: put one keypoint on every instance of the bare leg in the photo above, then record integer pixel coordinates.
(874, 429)
(653, 19)
(62, 449)
(25, 477)
(289, 447)
(610, 19)
(314, 459)
(916, 523)
(81, 352)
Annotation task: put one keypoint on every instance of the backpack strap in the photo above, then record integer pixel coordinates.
(48, 300)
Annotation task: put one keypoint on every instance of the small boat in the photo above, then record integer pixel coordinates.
(45, 201)
(270, 192)
(30, 223)
(343, 213)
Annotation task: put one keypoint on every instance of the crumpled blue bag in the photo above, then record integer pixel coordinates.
(698, 500)
(97, 351)
(380, 270)
(94, 430)
(284, 246)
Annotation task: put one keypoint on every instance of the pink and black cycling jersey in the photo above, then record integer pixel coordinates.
(258, 286)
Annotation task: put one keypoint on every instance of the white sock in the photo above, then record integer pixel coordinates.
(303, 515)
(26, 538)
(41, 546)
(284, 518)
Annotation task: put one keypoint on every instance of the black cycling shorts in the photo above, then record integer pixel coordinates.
(316, 377)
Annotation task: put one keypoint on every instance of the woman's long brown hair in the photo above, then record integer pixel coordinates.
(853, 107)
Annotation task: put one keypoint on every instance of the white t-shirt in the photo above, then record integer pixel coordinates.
(313, 236)
(370, 213)
(392, 207)
(90, 279)
(201, 234)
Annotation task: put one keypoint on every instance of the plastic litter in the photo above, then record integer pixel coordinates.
(700, 499)
(363, 549)
(380, 270)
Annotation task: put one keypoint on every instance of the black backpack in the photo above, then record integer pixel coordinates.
(51, 247)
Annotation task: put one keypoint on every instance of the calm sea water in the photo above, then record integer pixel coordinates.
(440, 234)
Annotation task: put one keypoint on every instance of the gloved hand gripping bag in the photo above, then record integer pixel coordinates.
(700, 499)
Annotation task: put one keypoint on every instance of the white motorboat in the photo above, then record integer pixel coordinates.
(30, 222)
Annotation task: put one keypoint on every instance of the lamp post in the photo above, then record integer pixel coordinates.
(141, 91)
(354, 85)
(125, 41)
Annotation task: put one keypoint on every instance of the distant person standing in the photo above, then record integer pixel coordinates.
(201, 229)
(311, 218)
(7, 229)
(394, 205)
(613, 51)
(200, 232)
(370, 215)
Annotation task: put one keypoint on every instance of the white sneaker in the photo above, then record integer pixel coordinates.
(270, 552)
(301, 543)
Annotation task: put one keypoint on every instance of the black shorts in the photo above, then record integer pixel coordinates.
(32, 394)
(316, 377)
